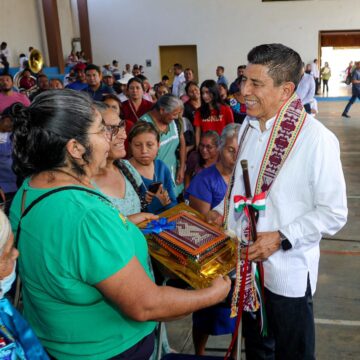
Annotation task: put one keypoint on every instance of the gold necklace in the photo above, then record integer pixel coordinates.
(87, 184)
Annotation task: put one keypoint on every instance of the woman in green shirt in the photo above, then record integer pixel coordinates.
(87, 289)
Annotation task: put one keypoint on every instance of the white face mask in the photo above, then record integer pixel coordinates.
(5, 284)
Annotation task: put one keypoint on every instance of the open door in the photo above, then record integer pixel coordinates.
(338, 48)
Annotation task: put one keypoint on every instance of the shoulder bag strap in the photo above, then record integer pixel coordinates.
(40, 198)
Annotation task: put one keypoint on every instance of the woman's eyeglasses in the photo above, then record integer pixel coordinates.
(207, 147)
(110, 130)
(114, 129)
(105, 130)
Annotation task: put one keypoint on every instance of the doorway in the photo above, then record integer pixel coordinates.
(338, 48)
(186, 55)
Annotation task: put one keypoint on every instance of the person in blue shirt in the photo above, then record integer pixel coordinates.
(355, 79)
(208, 188)
(80, 82)
(8, 185)
(17, 339)
(95, 88)
(221, 77)
(157, 186)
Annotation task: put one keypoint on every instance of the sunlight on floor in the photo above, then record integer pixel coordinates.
(339, 59)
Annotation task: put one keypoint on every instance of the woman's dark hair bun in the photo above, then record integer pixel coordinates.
(19, 110)
(41, 132)
(20, 115)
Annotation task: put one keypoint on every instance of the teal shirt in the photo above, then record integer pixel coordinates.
(130, 204)
(69, 242)
(169, 143)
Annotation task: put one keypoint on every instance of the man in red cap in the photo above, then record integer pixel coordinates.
(80, 82)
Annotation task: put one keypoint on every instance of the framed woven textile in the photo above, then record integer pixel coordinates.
(193, 250)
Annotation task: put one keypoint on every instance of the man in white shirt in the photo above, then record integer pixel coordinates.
(5, 57)
(305, 199)
(306, 90)
(316, 74)
(178, 79)
(23, 61)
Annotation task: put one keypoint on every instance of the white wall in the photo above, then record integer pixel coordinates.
(223, 30)
(66, 25)
(21, 27)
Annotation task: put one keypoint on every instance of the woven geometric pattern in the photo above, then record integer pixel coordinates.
(192, 233)
(192, 237)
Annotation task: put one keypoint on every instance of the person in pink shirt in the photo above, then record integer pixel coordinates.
(7, 95)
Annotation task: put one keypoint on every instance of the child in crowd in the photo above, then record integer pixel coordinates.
(158, 185)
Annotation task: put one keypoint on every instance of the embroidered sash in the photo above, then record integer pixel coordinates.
(286, 128)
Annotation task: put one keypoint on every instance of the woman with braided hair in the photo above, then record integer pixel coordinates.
(118, 179)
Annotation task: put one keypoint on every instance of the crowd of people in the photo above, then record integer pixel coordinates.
(82, 166)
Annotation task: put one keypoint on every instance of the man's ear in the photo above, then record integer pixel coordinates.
(75, 149)
(288, 90)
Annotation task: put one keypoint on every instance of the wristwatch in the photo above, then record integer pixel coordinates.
(285, 243)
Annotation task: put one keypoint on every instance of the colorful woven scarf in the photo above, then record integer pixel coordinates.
(247, 294)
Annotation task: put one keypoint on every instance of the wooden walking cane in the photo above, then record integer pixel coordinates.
(253, 236)
(252, 211)
(248, 194)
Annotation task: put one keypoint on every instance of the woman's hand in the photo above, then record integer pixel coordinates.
(221, 285)
(163, 196)
(180, 175)
(214, 218)
(149, 197)
(142, 216)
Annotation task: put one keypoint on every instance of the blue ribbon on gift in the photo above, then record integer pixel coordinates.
(158, 226)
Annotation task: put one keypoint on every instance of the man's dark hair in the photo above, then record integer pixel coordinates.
(284, 64)
(7, 74)
(40, 76)
(241, 67)
(93, 67)
(3, 44)
(177, 65)
(165, 77)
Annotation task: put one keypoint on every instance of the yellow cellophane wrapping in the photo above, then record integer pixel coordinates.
(196, 275)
